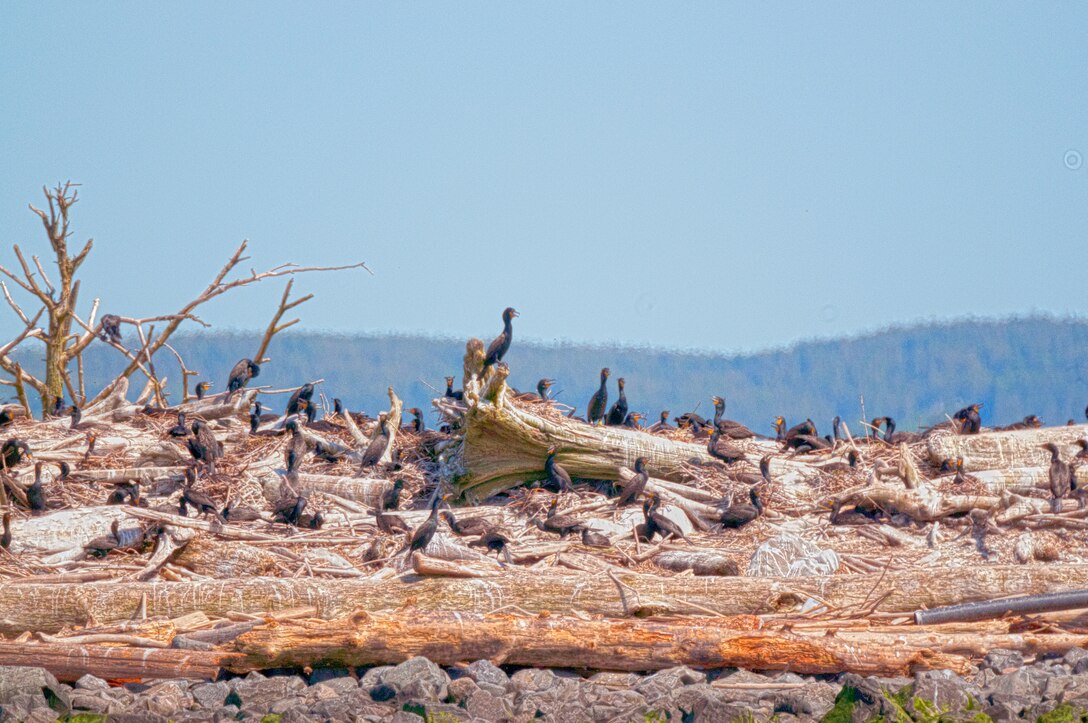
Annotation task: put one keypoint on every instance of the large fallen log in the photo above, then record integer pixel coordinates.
(995, 450)
(48, 608)
(70, 662)
(639, 645)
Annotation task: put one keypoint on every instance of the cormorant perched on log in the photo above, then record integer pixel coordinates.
(304, 393)
(203, 445)
(390, 524)
(450, 393)
(1029, 422)
(592, 538)
(501, 344)
(720, 450)
(807, 443)
(376, 448)
(239, 513)
(692, 420)
(240, 375)
(422, 535)
(466, 525)
(807, 427)
(1061, 476)
(556, 475)
(659, 522)
(969, 419)
(111, 328)
(201, 502)
(202, 389)
(118, 539)
(631, 421)
(598, 403)
(618, 412)
(893, 437)
(289, 508)
(391, 497)
(753, 478)
(635, 485)
(179, 429)
(661, 425)
(13, 452)
(5, 537)
(35, 496)
(255, 418)
(728, 427)
(495, 542)
(563, 525)
(125, 492)
(417, 424)
(297, 446)
(736, 516)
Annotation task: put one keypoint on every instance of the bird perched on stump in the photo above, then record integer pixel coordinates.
(240, 375)
(598, 403)
(501, 344)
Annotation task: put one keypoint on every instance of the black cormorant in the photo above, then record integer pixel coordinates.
(740, 515)
(305, 392)
(661, 522)
(255, 418)
(5, 537)
(969, 419)
(390, 524)
(635, 485)
(557, 476)
(754, 478)
(495, 542)
(297, 446)
(543, 386)
(391, 496)
(618, 412)
(466, 525)
(234, 512)
(201, 502)
(111, 328)
(662, 424)
(728, 427)
(35, 496)
(337, 406)
(202, 389)
(77, 415)
(179, 429)
(592, 538)
(501, 344)
(240, 375)
(13, 451)
(598, 403)
(376, 448)
(450, 393)
(720, 450)
(417, 425)
(1061, 476)
(631, 421)
(1029, 422)
(289, 508)
(6, 417)
(561, 524)
(203, 445)
(422, 535)
(893, 437)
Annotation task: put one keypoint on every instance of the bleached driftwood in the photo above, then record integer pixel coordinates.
(1000, 450)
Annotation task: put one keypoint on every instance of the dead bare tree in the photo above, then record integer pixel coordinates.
(67, 334)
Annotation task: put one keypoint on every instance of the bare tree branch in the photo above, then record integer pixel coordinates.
(273, 329)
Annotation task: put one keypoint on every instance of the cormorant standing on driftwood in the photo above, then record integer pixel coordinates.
(203, 445)
(631, 421)
(658, 522)
(35, 496)
(495, 542)
(111, 328)
(450, 393)
(728, 427)
(296, 447)
(592, 538)
(563, 525)
(391, 497)
(969, 419)
(200, 501)
(501, 344)
(466, 525)
(304, 393)
(598, 403)
(1061, 476)
(719, 450)
(635, 485)
(202, 389)
(618, 412)
(179, 429)
(13, 452)
(289, 509)
(893, 437)
(6, 417)
(376, 448)
(77, 415)
(557, 476)
(240, 375)
(255, 418)
(753, 478)
(234, 512)
(740, 515)
(662, 424)
(417, 424)
(423, 534)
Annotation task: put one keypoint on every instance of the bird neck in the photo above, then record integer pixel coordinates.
(719, 410)
(604, 383)
(765, 469)
(889, 427)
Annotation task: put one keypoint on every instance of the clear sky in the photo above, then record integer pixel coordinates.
(724, 176)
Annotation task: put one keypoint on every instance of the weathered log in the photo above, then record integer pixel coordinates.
(994, 450)
(216, 559)
(638, 645)
(362, 490)
(700, 562)
(63, 534)
(923, 503)
(49, 607)
(70, 662)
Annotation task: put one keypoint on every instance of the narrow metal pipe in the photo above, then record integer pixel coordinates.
(989, 609)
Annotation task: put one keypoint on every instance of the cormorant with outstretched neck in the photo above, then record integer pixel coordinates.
(35, 496)
(202, 389)
(179, 429)
(255, 417)
(1061, 476)
(631, 421)
(417, 424)
(303, 393)
(376, 448)
(893, 437)
(13, 452)
(203, 445)
(728, 427)
(450, 393)
(556, 475)
(111, 328)
(635, 485)
(662, 424)
(598, 403)
(422, 535)
(969, 419)
(501, 344)
(618, 412)
(659, 522)
(240, 375)
(741, 514)
(754, 478)
(720, 450)
(297, 446)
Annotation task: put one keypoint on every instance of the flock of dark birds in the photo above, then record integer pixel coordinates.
(721, 436)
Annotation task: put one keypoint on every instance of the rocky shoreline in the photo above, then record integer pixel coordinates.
(1004, 688)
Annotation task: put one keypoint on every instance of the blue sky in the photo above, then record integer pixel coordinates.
(722, 176)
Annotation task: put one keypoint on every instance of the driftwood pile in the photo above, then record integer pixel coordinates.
(828, 579)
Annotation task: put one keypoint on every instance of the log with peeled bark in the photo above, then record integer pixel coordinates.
(923, 503)
(69, 662)
(366, 491)
(1000, 450)
(48, 608)
(449, 638)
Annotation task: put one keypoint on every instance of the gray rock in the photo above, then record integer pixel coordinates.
(614, 704)
(320, 675)
(484, 671)
(227, 713)
(210, 695)
(944, 690)
(90, 682)
(165, 698)
(258, 694)
(533, 680)
(1076, 690)
(812, 701)
(701, 701)
(18, 680)
(402, 716)
(373, 676)
(872, 694)
(1003, 661)
(417, 678)
(664, 682)
(40, 715)
(462, 689)
(616, 680)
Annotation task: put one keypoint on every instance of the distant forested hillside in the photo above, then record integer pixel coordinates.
(915, 374)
